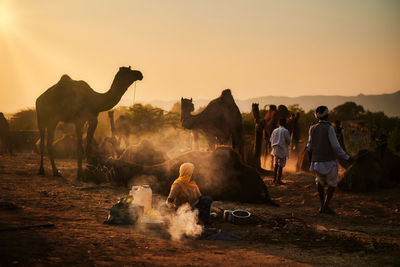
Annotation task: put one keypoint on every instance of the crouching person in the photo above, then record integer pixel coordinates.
(185, 190)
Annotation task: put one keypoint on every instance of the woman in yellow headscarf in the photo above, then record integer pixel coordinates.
(185, 190)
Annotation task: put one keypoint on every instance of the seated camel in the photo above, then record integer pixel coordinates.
(372, 170)
(220, 174)
(220, 121)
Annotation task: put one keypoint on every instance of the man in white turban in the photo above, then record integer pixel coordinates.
(323, 148)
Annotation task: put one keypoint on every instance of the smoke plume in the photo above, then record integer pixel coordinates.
(184, 223)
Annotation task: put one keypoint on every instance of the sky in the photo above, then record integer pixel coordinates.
(196, 49)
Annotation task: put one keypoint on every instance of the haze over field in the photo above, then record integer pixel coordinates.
(198, 48)
(388, 103)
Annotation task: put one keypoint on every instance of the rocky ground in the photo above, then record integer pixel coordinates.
(59, 221)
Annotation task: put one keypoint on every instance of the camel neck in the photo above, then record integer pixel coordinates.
(188, 120)
(109, 99)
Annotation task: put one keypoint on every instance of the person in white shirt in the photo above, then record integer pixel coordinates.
(280, 140)
(323, 148)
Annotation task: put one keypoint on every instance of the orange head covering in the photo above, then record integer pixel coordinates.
(184, 189)
(185, 175)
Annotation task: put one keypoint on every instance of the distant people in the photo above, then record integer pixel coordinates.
(280, 140)
(185, 190)
(339, 133)
(5, 137)
(323, 148)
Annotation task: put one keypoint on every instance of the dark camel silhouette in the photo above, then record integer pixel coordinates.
(5, 137)
(254, 152)
(75, 102)
(219, 121)
(220, 174)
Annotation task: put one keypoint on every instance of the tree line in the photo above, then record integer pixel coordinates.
(146, 119)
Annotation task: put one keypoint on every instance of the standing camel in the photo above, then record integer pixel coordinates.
(219, 121)
(75, 102)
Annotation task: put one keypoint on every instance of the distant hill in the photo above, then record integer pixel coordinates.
(388, 103)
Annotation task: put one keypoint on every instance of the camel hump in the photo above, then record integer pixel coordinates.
(65, 78)
(227, 97)
(226, 93)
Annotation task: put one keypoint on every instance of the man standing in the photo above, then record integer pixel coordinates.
(280, 140)
(323, 148)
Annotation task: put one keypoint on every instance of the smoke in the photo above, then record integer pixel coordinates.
(143, 179)
(183, 223)
(177, 224)
(290, 163)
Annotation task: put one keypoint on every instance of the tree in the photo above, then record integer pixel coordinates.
(176, 108)
(24, 120)
(347, 111)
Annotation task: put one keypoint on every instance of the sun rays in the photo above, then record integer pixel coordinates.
(6, 18)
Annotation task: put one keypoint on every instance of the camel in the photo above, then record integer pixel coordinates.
(220, 174)
(75, 102)
(219, 121)
(5, 137)
(372, 170)
(143, 153)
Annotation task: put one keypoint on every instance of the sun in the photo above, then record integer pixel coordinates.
(6, 18)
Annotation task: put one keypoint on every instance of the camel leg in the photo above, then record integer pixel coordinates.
(42, 136)
(79, 149)
(268, 152)
(195, 139)
(50, 138)
(258, 145)
(211, 140)
(89, 136)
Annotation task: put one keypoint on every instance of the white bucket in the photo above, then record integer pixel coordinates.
(142, 195)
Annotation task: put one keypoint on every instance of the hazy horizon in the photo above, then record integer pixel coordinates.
(197, 49)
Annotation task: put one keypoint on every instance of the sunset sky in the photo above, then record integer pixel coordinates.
(197, 48)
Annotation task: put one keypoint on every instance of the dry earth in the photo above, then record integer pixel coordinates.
(59, 221)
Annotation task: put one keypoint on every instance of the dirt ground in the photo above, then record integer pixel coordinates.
(59, 221)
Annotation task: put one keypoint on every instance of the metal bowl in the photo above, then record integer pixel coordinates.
(241, 216)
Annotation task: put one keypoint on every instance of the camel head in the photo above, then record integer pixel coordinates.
(256, 112)
(126, 76)
(255, 108)
(186, 105)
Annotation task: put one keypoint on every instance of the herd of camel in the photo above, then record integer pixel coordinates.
(76, 102)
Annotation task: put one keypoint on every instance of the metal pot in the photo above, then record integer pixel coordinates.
(240, 216)
(227, 215)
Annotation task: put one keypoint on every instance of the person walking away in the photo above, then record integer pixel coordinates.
(280, 140)
(185, 190)
(323, 148)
